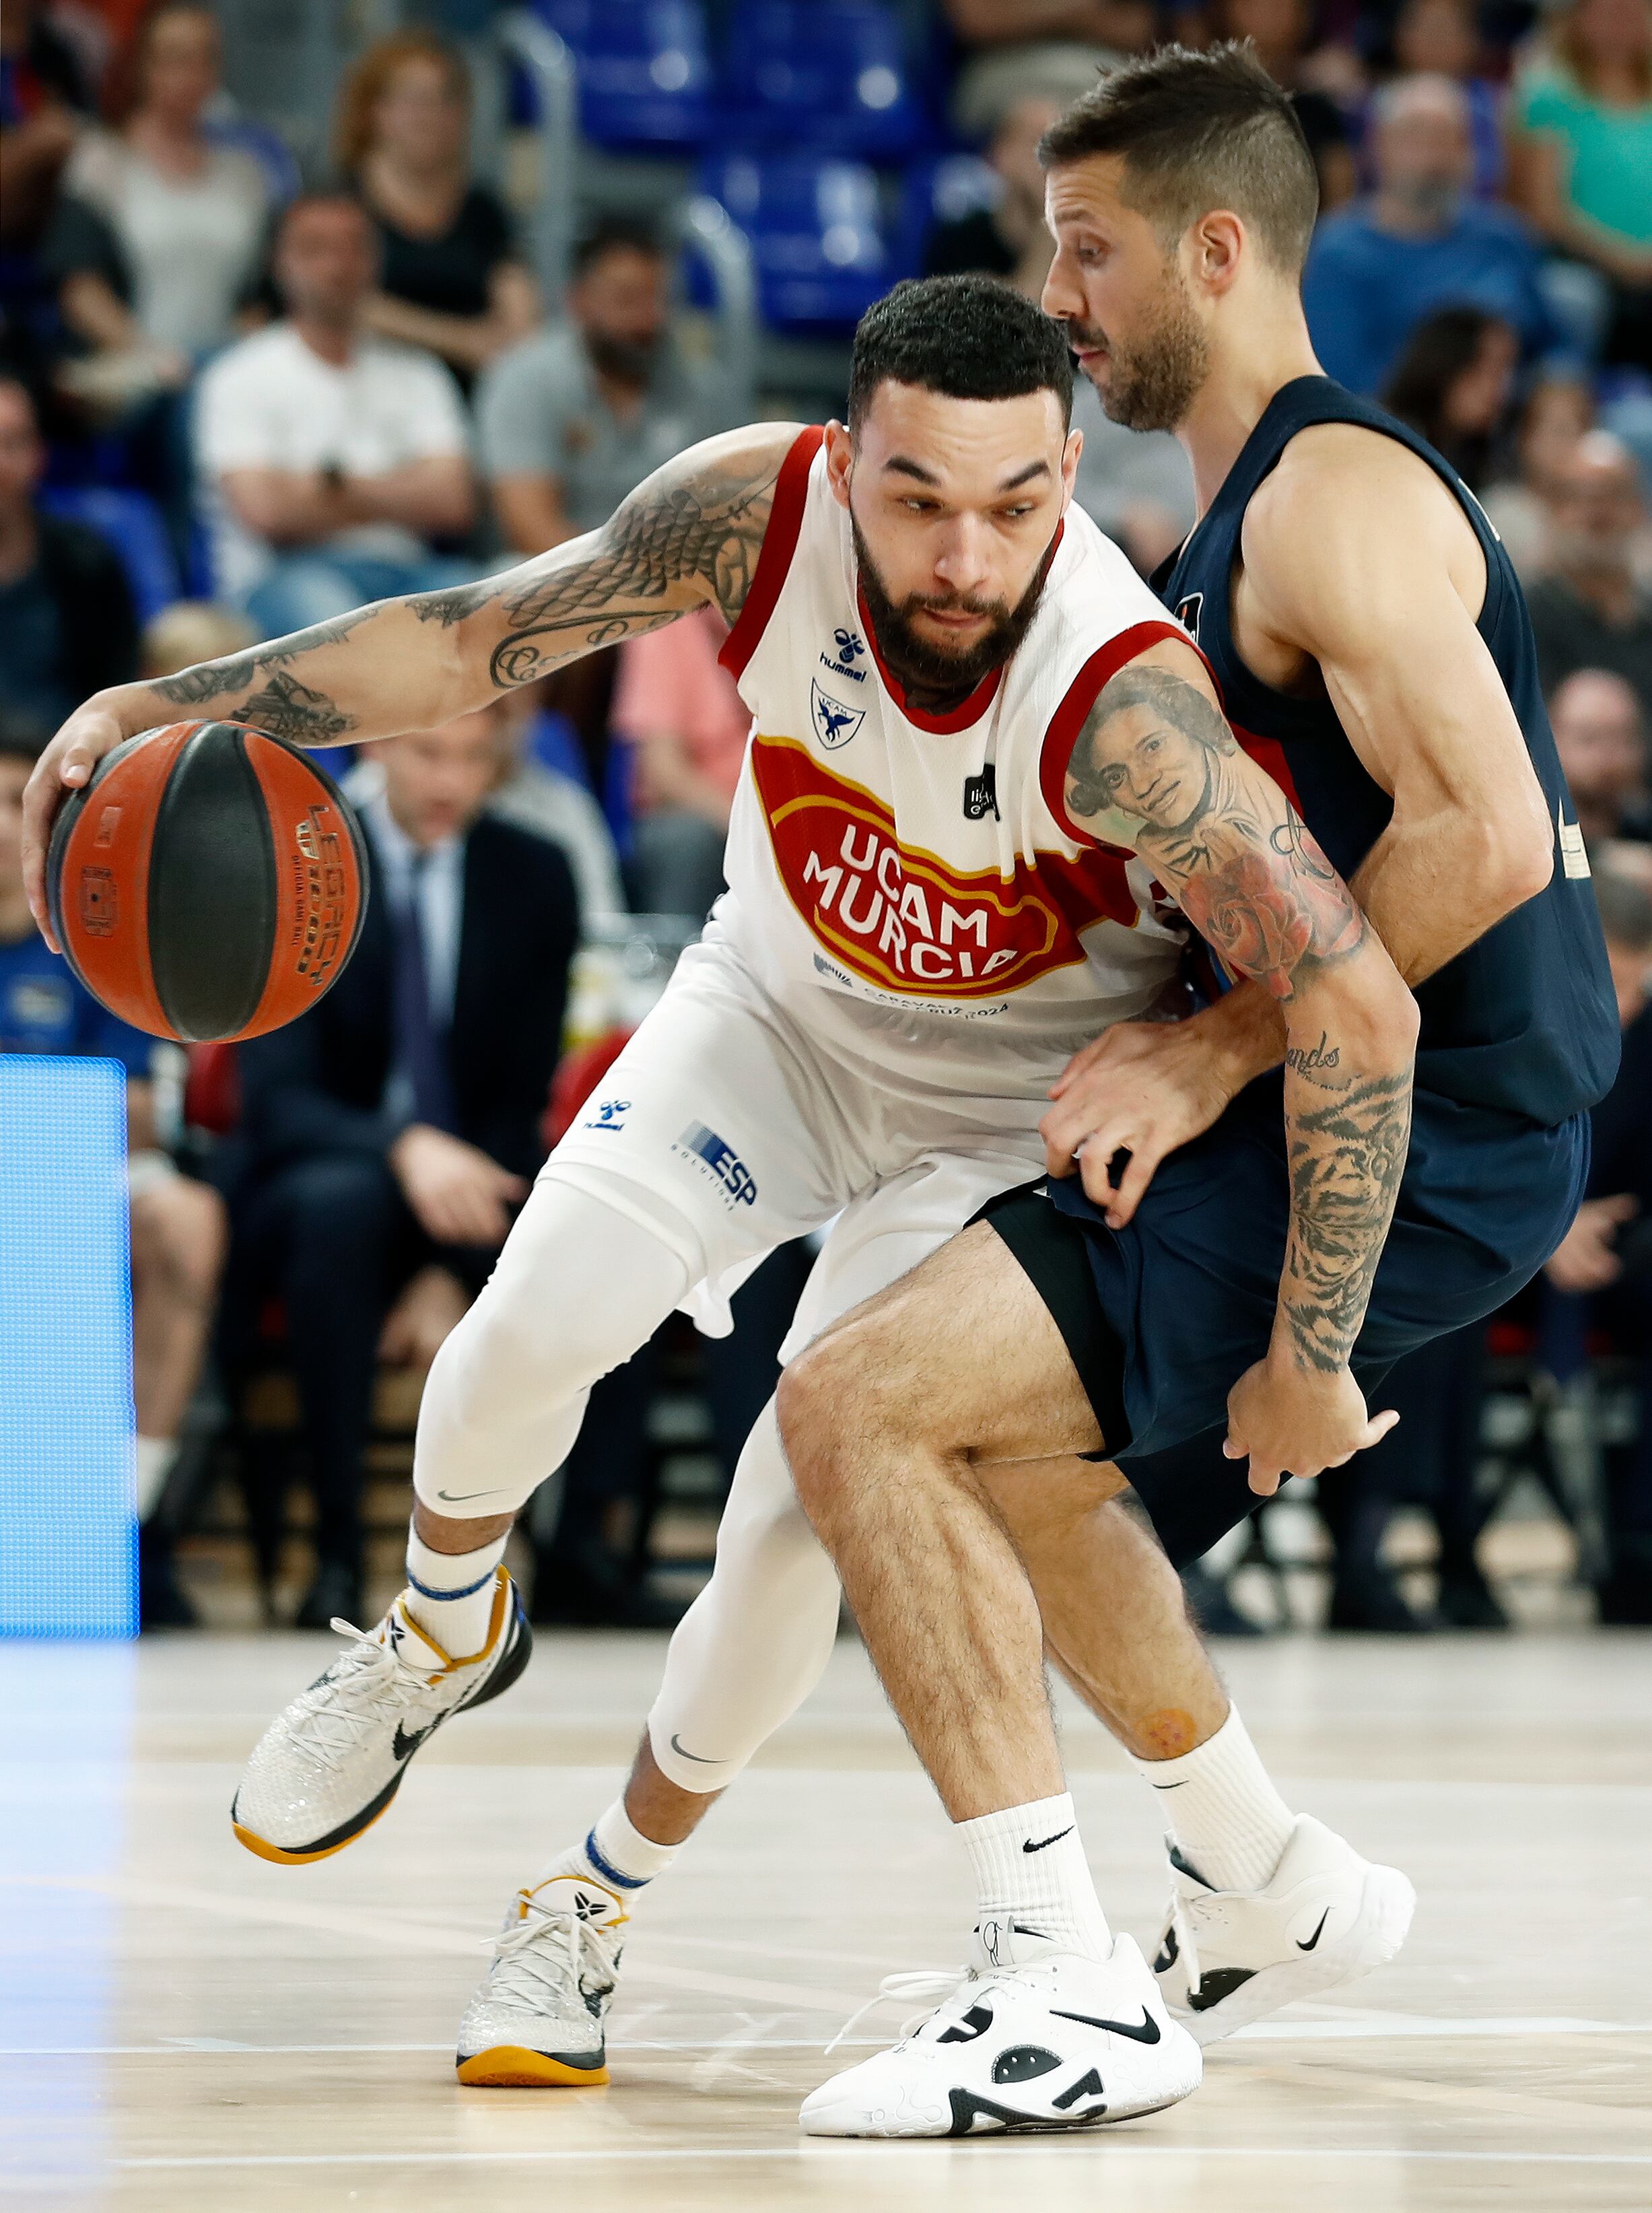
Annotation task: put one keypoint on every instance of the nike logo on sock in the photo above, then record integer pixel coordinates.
(1171, 1786)
(699, 1758)
(458, 1497)
(1029, 1846)
(1146, 2032)
(1318, 1933)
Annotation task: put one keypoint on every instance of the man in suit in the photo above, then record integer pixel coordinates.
(394, 1128)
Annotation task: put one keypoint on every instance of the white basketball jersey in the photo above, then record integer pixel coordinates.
(905, 879)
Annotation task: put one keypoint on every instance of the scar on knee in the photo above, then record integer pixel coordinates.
(1168, 1733)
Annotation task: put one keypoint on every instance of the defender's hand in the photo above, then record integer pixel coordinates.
(65, 766)
(1143, 1088)
(1294, 1420)
(1584, 1259)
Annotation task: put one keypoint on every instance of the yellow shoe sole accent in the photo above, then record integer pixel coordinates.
(261, 1848)
(511, 2067)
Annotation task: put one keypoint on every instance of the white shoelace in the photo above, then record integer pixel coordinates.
(928, 1987)
(545, 1955)
(377, 1669)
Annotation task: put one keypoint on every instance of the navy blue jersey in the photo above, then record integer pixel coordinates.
(1524, 1022)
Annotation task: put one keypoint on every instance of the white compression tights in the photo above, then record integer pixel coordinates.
(578, 1289)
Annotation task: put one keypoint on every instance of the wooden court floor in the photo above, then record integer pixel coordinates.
(186, 2029)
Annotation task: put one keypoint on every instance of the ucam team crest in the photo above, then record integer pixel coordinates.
(834, 723)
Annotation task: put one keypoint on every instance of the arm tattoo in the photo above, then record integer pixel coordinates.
(290, 710)
(285, 706)
(1156, 767)
(709, 525)
(1346, 1160)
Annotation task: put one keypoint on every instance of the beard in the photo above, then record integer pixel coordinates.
(1152, 383)
(626, 360)
(925, 668)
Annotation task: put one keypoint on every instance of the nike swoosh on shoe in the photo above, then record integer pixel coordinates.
(1318, 1933)
(403, 1746)
(1147, 2032)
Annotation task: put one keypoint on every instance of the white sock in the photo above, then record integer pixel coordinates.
(1031, 1871)
(614, 1853)
(451, 1593)
(1230, 1823)
(155, 1459)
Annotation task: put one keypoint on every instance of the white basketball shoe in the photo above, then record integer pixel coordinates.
(329, 1764)
(1048, 2039)
(537, 2022)
(1227, 1957)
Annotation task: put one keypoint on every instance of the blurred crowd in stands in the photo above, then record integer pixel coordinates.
(280, 332)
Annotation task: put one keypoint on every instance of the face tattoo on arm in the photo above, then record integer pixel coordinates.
(1157, 767)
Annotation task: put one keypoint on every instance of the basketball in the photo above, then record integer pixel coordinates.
(209, 883)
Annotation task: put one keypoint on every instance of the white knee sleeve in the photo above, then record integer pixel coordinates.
(757, 1639)
(578, 1288)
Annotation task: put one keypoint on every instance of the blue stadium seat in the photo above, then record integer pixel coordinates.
(816, 233)
(132, 523)
(831, 75)
(644, 70)
(939, 190)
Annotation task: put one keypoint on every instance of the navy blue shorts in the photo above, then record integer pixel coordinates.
(1161, 1318)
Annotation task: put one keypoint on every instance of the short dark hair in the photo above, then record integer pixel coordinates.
(968, 338)
(317, 196)
(1198, 130)
(1440, 350)
(613, 234)
(1625, 911)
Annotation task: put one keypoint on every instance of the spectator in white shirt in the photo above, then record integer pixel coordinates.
(331, 460)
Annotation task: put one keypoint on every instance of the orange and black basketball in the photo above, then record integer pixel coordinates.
(209, 882)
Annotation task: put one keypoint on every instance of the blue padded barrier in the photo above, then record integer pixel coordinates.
(135, 527)
(68, 1536)
(816, 232)
(643, 68)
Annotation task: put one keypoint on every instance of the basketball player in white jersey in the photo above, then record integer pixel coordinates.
(912, 948)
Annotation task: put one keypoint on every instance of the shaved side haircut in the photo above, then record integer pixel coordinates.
(1200, 130)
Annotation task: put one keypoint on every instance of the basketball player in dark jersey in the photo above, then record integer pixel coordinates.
(1367, 635)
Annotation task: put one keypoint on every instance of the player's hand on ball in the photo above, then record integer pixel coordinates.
(459, 1194)
(65, 766)
(1288, 1420)
(1142, 1088)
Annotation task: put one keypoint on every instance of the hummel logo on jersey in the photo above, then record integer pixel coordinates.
(609, 1115)
(1188, 612)
(981, 795)
(739, 1183)
(834, 723)
(850, 650)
